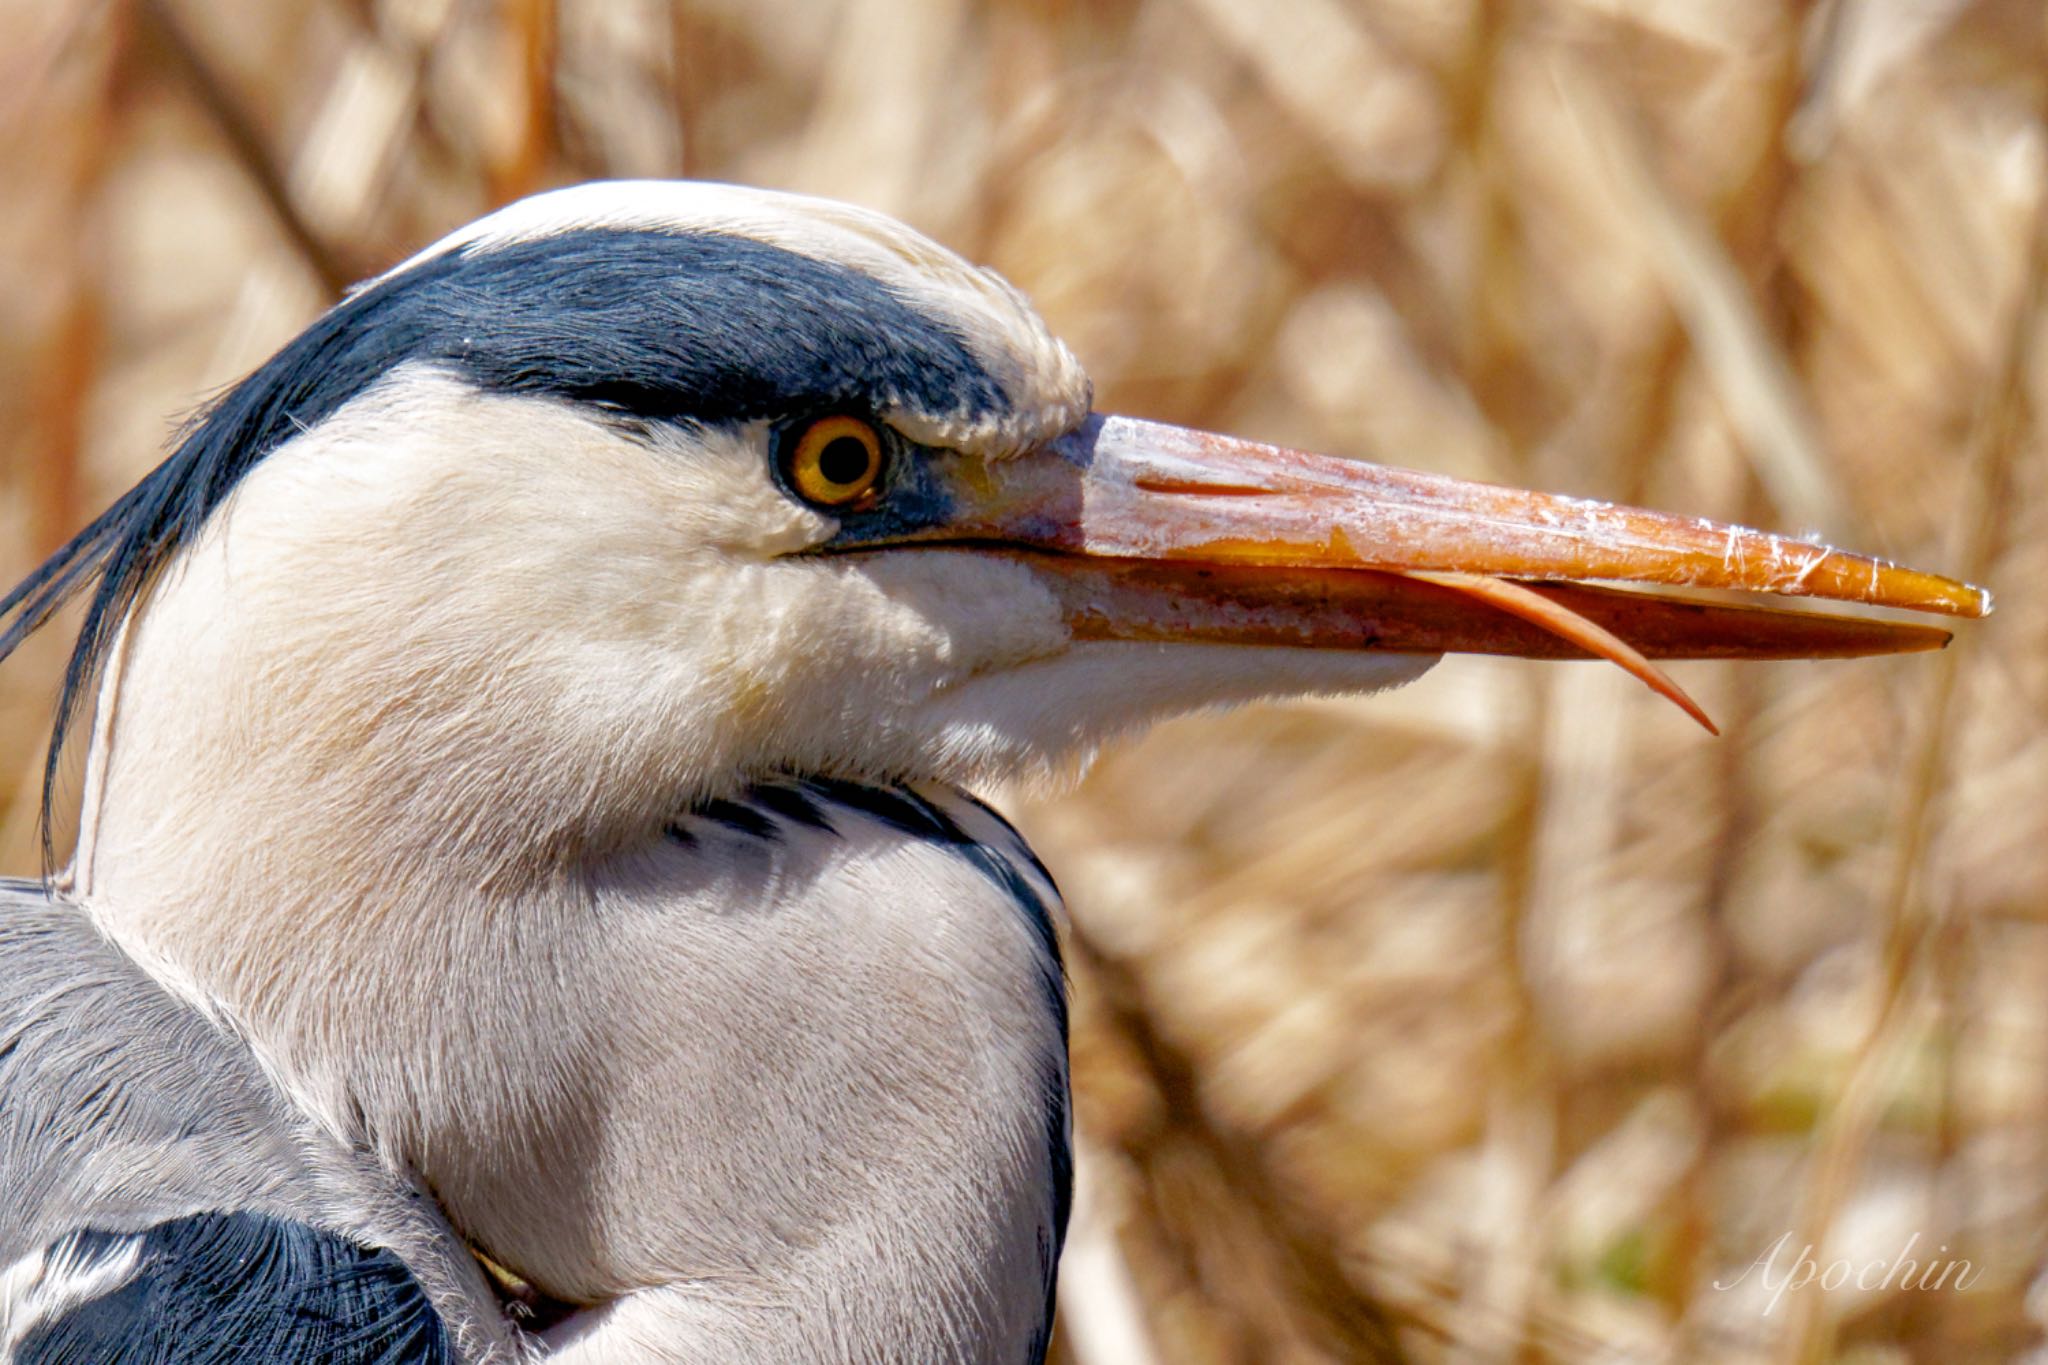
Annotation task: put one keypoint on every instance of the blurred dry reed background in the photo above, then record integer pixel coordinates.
(1494, 1020)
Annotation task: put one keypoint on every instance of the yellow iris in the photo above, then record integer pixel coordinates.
(836, 462)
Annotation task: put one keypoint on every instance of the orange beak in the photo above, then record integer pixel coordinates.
(1158, 532)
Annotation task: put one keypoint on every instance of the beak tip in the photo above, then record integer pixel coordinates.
(1952, 597)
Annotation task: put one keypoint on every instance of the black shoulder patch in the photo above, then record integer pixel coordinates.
(741, 818)
(893, 806)
(239, 1289)
(792, 804)
(659, 326)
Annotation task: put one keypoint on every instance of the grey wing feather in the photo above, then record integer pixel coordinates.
(124, 1111)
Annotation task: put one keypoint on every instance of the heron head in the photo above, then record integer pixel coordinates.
(637, 491)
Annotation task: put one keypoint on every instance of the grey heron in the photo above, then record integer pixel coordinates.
(528, 729)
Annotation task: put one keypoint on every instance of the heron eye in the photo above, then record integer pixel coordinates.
(836, 461)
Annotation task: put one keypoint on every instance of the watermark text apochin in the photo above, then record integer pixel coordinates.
(1782, 1269)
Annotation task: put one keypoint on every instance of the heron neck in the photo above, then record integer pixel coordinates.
(769, 1085)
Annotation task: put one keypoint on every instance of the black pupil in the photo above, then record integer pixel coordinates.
(843, 460)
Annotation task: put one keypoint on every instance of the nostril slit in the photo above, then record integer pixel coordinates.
(1189, 488)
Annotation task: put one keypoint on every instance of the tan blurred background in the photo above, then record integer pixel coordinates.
(1495, 1020)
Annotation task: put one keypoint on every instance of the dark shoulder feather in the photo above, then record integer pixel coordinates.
(236, 1289)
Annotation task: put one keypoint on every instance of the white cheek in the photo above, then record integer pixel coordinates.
(837, 662)
(983, 613)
